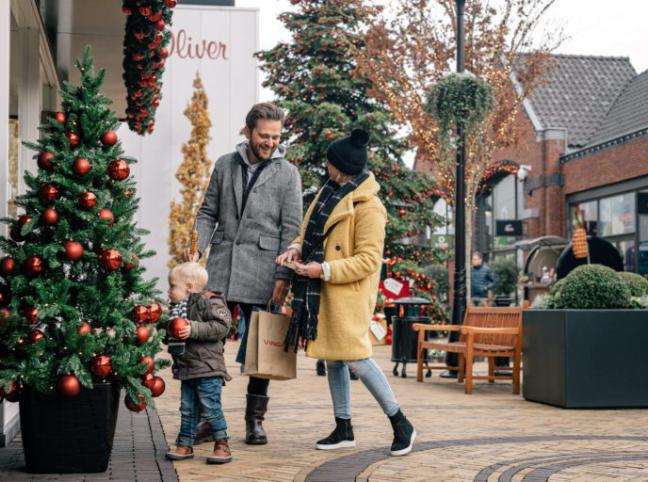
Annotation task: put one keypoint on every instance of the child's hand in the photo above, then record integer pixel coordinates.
(185, 332)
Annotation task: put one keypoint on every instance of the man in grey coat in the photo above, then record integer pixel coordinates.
(251, 213)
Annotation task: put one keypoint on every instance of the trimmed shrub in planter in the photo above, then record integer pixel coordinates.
(506, 274)
(591, 287)
(637, 284)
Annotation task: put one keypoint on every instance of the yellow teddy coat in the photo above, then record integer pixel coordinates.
(354, 251)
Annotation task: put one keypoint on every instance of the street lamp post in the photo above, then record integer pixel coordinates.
(459, 294)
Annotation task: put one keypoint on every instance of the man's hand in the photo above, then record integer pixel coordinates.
(310, 270)
(288, 256)
(280, 291)
(185, 332)
(188, 257)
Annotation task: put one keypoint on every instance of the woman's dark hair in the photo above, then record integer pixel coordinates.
(264, 110)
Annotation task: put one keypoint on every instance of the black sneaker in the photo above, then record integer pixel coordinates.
(341, 437)
(404, 435)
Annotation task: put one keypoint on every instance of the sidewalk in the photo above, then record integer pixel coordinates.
(487, 436)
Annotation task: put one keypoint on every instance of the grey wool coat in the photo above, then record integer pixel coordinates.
(244, 245)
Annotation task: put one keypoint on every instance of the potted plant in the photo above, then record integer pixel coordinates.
(76, 314)
(506, 276)
(587, 348)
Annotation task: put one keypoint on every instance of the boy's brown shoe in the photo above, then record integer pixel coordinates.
(221, 453)
(180, 453)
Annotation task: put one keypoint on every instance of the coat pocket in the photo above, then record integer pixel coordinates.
(269, 243)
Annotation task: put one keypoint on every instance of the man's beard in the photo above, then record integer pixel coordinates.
(257, 152)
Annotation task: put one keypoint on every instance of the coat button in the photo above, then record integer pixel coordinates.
(338, 247)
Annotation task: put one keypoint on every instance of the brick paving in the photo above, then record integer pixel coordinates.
(488, 436)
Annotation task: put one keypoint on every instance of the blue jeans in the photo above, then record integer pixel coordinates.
(201, 396)
(373, 378)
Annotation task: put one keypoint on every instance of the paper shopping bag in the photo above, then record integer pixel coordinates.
(265, 356)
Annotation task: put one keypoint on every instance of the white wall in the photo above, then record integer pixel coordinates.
(231, 85)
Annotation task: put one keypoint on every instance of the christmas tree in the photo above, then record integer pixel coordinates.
(315, 78)
(193, 174)
(75, 309)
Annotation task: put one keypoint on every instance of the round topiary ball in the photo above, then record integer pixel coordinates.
(637, 284)
(591, 287)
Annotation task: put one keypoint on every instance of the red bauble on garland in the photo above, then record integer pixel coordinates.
(157, 387)
(81, 166)
(33, 266)
(45, 160)
(73, 138)
(49, 217)
(7, 265)
(73, 250)
(84, 329)
(118, 170)
(110, 259)
(106, 215)
(36, 336)
(68, 386)
(101, 366)
(149, 362)
(140, 314)
(48, 193)
(155, 312)
(60, 117)
(133, 263)
(10, 395)
(142, 334)
(5, 295)
(4, 314)
(88, 200)
(109, 138)
(133, 406)
(31, 315)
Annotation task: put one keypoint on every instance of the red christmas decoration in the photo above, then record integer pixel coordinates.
(109, 138)
(68, 386)
(155, 312)
(24, 219)
(84, 329)
(81, 166)
(101, 366)
(5, 295)
(133, 263)
(48, 193)
(140, 314)
(88, 200)
(164, 53)
(170, 3)
(49, 217)
(4, 314)
(36, 336)
(12, 394)
(7, 265)
(142, 334)
(45, 160)
(157, 387)
(118, 170)
(33, 266)
(60, 117)
(73, 250)
(110, 259)
(31, 315)
(176, 325)
(73, 138)
(159, 25)
(133, 406)
(149, 362)
(106, 215)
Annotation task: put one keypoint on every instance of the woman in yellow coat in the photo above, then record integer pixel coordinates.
(337, 258)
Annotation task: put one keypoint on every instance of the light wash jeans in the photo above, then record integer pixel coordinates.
(201, 396)
(373, 378)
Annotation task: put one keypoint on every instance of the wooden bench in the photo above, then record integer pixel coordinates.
(487, 332)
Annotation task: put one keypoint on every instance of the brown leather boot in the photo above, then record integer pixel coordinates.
(221, 453)
(257, 406)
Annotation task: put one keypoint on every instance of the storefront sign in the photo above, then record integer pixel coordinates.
(442, 241)
(508, 228)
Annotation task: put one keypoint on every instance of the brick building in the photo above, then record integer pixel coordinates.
(583, 145)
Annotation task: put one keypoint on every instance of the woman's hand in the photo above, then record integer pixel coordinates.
(288, 256)
(310, 270)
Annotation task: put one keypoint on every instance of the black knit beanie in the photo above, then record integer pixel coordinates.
(349, 154)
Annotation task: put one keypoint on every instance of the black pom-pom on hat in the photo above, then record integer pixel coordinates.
(349, 154)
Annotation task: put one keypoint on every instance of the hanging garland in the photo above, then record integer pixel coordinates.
(495, 173)
(145, 42)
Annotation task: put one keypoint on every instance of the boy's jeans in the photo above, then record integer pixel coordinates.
(371, 376)
(201, 396)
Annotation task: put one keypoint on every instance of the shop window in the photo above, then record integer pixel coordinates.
(617, 215)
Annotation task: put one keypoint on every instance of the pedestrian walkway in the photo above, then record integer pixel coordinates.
(490, 435)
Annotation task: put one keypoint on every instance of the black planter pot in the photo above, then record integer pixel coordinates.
(503, 301)
(72, 435)
(586, 358)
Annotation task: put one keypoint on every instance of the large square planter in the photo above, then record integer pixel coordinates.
(586, 358)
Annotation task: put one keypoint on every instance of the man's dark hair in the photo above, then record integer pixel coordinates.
(478, 254)
(264, 110)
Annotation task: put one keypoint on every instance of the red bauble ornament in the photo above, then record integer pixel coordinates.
(149, 362)
(127, 10)
(48, 193)
(170, 3)
(164, 53)
(73, 138)
(45, 160)
(88, 200)
(7, 265)
(140, 35)
(133, 263)
(118, 170)
(81, 166)
(155, 312)
(84, 329)
(155, 17)
(60, 117)
(68, 386)
(36, 336)
(147, 380)
(33, 266)
(159, 25)
(137, 57)
(401, 213)
(24, 219)
(177, 324)
(4, 314)
(110, 259)
(157, 387)
(12, 394)
(49, 217)
(135, 407)
(31, 315)
(5, 295)
(140, 314)
(109, 138)
(142, 334)
(106, 215)
(100, 365)
(73, 250)
(145, 11)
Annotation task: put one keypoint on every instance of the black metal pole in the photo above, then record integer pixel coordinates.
(459, 295)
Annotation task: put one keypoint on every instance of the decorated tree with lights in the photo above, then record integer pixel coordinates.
(74, 307)
(315, 78)
(193, 175)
